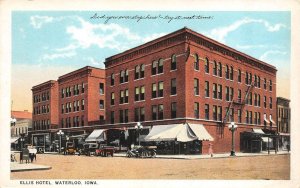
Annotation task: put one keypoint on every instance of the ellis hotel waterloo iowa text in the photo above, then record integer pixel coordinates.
(183, 88)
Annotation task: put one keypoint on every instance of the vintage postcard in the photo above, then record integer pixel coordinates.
(99, 95)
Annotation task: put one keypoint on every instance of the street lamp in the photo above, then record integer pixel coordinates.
(232, 127)
(138, 126)
(60, 133)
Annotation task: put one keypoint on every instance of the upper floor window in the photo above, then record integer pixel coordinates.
(196, 62)
(112, 117)
(101, 88)
(101, 104)
(160, 66)
(239, 75)
(126, 75)
(173, 86)
(139, 93)
(214, 90)
(206, 65)
(154, 68)
(122, 76)
(220, 69)
(219, 91)
(154, 90)
(196, 86)
(62, 93)
(255, 80)
(196, 110)
(227, 72)
(231, 73)
(137, 72)
(82, 104)
(265, 102)
(250, 78)
(265, 83)
(206, 89)
(160, 89)
(112, 79)
(112, 99)
(215, 68)
(173, 110)
(270, 86)
(215, 113)
(160, 111)
(247, 78)
(154, 112)
(206, 111)
(219, 113)
(271, 103)
(142, 71)
(82, 88)
(173, 62)
(258, 81)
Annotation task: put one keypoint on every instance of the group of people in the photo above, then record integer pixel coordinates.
(27, 154)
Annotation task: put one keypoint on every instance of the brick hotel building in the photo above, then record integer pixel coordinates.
(74, 104)
(185, 77)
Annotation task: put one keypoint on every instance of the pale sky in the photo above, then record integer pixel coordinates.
(47, 44)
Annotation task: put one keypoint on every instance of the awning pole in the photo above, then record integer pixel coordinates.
(268, 145)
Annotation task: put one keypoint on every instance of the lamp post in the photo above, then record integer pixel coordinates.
(22, 139)
(60, 133)
(138, 126)
(232, 127)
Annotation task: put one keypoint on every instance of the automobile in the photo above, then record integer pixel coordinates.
(105, 150)
(89, 149)
(70, 148)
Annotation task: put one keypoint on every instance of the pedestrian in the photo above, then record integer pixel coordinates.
(288, 147)
(210, 150)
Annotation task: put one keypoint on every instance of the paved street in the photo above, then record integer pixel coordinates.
(83, 167)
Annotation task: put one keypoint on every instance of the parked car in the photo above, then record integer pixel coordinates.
(89, 149)
(70, 148)
(105, 150)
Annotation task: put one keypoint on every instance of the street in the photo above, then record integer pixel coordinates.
(83, 167)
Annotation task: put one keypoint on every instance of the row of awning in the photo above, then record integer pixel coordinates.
(175, 132)
(261, 132)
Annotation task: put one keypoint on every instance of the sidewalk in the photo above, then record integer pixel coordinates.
(19, 167)
(219, 155)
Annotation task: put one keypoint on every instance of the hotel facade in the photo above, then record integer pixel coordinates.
(185, 77)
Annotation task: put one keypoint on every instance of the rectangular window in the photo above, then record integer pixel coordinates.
(136, 114)
(206, 89)
(255, 118)
(206, 65)
(142, 93)
(247, 116)
(82, 87)
(231, 73)
(255, 99)
(101, 104)
(196, 86)
(154, 112)
(101, 88)
(219, 113)
(112, 79)
(78, 106)
(239, 75)
(160, 111)
(231, 115)
(227, 72)
(142, 114)
(142, 73)
(215, 113)
(265, 83)
(160, 89)
(154, 67)
(82, 121)
(173, 62)
(239, 116)
(126, 75)
(270, 87)
(137, 72)
(239, 95)
(62, 93)
(173, 86)
(126, 95)
(70, 107)
(206, 111)
(62, 123)
(154, 90)
(173, 110)
(121, 116)
(258, 119)
(258, 81)
(214, 91)
(67, 107)
(122, 75)
(62, 108)
(74, 106)
(250, 98)
(271, 104)
(136, 94)
(219, 69)
(215, 68)
(196, 110)
(160, 66)
(265, 102)
(219, 91)
(121, 96)
(112, 99)
(250, 117)
(126, 115)
(82, 104)
(227, 93)
(231, 93)
(112, 117)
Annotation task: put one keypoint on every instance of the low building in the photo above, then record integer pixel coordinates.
(283, 122)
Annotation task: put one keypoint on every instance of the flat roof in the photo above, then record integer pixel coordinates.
(78, 71)
(178, 32)
(43, 84)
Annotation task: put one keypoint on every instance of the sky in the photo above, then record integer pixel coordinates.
(47, 44)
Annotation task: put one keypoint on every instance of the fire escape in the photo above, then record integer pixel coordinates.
(237, 104)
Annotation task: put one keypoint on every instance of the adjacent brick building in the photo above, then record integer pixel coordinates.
(187, 77)
(45, 106)
(81, 98)
(284, 122)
